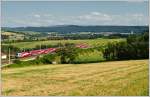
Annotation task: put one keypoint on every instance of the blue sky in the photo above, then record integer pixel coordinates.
(42, 13)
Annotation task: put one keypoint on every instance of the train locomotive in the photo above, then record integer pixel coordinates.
(35, 52)
(44, 51)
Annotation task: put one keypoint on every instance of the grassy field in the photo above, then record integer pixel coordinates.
(105, 78)
(90, 57)
(91, 42)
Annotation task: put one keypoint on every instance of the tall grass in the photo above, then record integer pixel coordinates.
(89, 57)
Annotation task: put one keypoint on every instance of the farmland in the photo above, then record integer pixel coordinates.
(105, 78)
(91, 42)
(75, 48)
(84, 57)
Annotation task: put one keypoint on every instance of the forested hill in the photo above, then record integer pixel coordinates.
(76, 28)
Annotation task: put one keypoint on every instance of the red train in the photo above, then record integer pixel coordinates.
(82, 46)
(44, 51)
(35, 52)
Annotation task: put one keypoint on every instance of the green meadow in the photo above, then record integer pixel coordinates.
(90, 42)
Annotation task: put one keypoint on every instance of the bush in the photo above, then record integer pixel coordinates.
(17, 61)
(67, 53)
(48, 59)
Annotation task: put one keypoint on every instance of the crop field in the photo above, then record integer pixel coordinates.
(10, 33)
(90, 42)
(105, 78)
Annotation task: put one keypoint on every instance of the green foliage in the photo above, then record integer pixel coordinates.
(24, 64)
(13, 49)
(136, 47)
(68, 53)
(17, 61)
(48, 59)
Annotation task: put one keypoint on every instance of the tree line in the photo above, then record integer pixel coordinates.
(136, 47)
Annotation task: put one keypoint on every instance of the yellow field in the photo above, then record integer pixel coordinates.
(10, 33)
(106, 78)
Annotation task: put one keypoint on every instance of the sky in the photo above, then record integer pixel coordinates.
(51, 13)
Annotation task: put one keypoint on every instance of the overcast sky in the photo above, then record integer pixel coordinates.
(32, 13)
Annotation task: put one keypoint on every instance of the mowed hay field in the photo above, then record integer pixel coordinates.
(105, 78)
(90, 42)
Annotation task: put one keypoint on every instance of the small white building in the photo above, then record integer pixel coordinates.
(3, 56)
(54, 62)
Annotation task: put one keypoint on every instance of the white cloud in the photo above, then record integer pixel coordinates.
(96, 16)
(47, 15)
(95, 13)
(37, 16)
(91, 18)
(129, 19)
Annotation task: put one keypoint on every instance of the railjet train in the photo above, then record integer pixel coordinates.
(35, 52)
(44, 51)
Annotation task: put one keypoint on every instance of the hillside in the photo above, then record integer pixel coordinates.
(107, 78)
(76, 29)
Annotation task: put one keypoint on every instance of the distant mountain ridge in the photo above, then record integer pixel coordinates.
(77, 28)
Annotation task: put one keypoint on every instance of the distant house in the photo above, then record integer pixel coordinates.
(107, 33)
(3, 56)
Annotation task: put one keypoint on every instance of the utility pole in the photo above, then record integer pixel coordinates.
(24, 50)
(9, 55)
